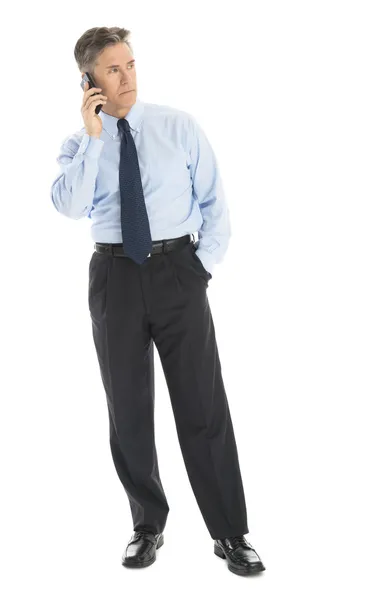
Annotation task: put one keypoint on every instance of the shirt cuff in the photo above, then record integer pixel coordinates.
(90, 146)
(206, 260)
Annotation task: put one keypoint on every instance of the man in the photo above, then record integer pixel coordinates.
(147, 177)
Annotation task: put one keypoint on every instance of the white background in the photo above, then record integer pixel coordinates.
(288, 94)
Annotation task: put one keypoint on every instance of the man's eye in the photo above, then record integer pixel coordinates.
(114, 69)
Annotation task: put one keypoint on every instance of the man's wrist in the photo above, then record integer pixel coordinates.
(206, 260)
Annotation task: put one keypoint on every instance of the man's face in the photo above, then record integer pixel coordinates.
(115, 73)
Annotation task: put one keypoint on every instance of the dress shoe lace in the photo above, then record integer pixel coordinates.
(239, 540)
(139, 534)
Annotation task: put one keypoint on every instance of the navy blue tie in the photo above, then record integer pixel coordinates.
(137, 241)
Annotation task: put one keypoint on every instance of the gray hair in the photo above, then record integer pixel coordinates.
(93, 41)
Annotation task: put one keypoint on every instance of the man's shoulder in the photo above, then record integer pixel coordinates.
(166, 112)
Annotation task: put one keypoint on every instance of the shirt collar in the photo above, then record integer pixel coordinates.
(134, 118)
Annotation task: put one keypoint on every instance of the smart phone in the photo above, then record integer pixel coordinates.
(91, 83)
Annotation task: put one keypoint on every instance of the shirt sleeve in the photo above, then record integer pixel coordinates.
(208, 191)
(72, 191)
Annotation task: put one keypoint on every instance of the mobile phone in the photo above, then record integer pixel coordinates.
(91, 83)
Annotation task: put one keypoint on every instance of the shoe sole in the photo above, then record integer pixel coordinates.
(257, 568)
(147, 563)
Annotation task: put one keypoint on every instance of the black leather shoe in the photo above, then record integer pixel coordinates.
(141, 549)
(242, 559)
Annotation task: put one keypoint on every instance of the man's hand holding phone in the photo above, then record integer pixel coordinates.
(92, 121)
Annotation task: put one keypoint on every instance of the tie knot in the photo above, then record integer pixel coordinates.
(123, 125)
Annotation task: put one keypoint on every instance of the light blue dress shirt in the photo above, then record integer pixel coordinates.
(181, 182)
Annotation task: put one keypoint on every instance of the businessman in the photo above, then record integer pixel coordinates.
(147, 177)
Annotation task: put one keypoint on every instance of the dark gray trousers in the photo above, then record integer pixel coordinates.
(164, 301)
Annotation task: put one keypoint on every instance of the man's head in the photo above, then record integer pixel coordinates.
(106, 54)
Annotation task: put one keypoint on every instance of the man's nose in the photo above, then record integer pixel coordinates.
(127, 77)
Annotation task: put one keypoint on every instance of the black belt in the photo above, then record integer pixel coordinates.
(158, 246)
